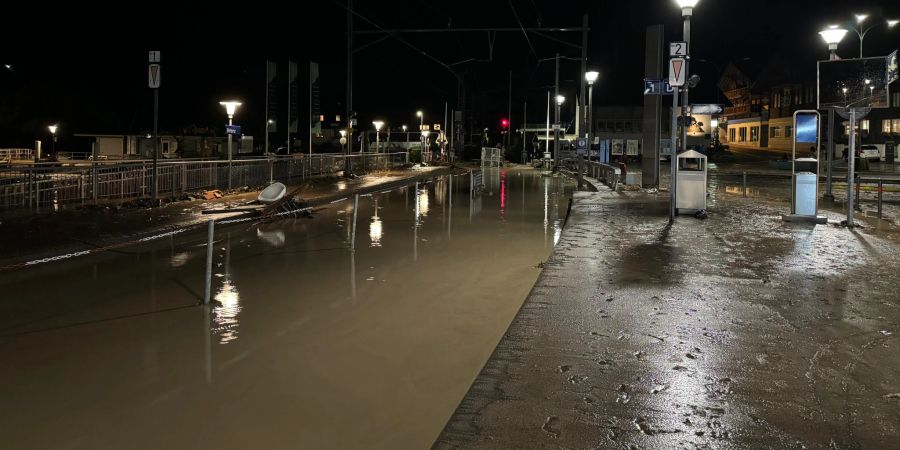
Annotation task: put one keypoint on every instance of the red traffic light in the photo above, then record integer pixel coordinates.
(504, 123)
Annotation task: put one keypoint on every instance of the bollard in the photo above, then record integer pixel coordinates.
(745, 184)
(207, 293)
(880, 193)
(353, 227)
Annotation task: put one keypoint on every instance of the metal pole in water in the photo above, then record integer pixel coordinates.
(745, 184)
(880, 191)
(209, 257)
(353, 229)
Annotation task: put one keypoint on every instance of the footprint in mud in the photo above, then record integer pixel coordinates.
(563, 368)
(551, 426)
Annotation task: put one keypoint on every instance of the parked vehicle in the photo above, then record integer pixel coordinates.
(869, 152)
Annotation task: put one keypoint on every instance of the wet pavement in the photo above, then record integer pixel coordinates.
(308, 345)
(740, 331)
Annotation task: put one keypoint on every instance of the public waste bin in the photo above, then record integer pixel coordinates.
(690, 189)
(805, 194)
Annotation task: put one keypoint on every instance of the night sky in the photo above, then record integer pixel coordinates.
(84, 66)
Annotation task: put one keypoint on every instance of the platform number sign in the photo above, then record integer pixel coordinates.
(678, 49)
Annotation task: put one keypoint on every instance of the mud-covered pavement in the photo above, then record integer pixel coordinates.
(740, 331)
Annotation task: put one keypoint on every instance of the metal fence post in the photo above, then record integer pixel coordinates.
(207, 293)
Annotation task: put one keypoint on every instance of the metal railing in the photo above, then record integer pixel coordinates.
(34, 186)
(609, 175)
(11, 154)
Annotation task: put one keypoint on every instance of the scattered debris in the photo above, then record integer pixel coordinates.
(212, 195)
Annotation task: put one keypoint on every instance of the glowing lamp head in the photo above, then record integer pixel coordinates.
(892, 22)
(378, 124)
(833, 36)
(231, 107)
(591, 76)
(419, 113)
(860, 18)
(404, 128)
(53, 128)
(560, 99)
(343, 133)
(687, 6)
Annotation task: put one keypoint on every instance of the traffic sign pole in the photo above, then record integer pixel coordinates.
(154, 82)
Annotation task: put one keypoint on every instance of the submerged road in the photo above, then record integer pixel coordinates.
(740, 331)
(308, 345)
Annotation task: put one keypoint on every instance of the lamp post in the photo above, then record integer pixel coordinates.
(832, 36)
(231, 107)
(590, 77)
(407, 136)
(269, 123)
(421, 117)
(560, 99)
(343, 138)
(378, 124)
(53, 129)
(687, 10)
(861, 31)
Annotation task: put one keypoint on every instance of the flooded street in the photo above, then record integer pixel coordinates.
(307, 345)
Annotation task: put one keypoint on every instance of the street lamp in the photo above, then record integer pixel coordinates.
(421, 117)
(407, 136)
(53, 129)
(560, 99)
(687, 10)
(687, 6)
(378, 124)
(591, 78)
(832, 36)
(231, 107)
(861, 32)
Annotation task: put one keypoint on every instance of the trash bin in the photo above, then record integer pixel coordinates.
(805, 189)
(690, 190)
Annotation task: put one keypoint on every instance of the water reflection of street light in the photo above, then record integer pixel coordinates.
(231, 107)
(378, 124)
(375, 228)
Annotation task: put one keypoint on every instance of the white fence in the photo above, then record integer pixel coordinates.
(491, 156)
(33, 186)
(11, 154)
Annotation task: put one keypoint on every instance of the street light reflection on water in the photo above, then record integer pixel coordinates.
(227, 308)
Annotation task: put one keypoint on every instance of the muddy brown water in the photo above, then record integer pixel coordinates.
(308, 345)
